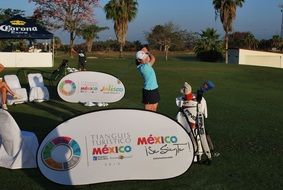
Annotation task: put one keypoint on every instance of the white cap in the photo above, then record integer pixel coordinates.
(141, 55)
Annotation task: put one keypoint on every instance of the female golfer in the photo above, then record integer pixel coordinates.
(150, 93)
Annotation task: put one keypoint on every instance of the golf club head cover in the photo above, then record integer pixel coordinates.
(186, 89)
(207, 85)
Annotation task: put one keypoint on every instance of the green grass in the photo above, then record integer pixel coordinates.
(244, 120)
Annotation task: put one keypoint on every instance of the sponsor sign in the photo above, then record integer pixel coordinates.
(113, 145)
(18, 26)
(90, 86)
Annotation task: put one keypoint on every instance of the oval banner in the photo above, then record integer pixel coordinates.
(89, 86)
(114, 145)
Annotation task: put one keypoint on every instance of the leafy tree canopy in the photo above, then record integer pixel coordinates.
(170, 36)
(9, 13)
(65, 14)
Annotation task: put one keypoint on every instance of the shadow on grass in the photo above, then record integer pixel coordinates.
(41, 126)
(46, 116)
(190, 58)
(34, 176)
(43, 183)
(57, 108)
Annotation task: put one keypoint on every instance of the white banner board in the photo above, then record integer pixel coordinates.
(26, 59)
(114, 145)
(88, 86)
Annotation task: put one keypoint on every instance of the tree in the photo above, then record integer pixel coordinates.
(65, 14)
(156, 37)
(89, 33)
(265, 45)
(276, 42)
(166, 36)
(227, 9)
(209, 47)
(57, 43)
(243, 40)
(190, 40)
(137, 45)
(6, 14)
(121, 12)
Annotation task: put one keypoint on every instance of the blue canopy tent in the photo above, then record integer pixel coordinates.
(22, 28)
(19, 27)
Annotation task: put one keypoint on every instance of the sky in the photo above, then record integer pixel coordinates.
(262, 18)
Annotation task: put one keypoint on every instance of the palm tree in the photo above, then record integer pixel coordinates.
(208, 41)
(226, 9)
(121, 12)
(276, 42)
(244, 40)
(250, 41)
(88, 33)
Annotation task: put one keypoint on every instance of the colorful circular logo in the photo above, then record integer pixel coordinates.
(61, 153)
(67, 87)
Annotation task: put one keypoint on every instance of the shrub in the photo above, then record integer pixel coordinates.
(210, 55)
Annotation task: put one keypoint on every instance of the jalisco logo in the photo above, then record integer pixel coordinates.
(68, 145)
(111, 89)
(67, 87)
(18, 22)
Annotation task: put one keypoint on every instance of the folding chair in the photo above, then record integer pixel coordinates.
(13, 82)
(38, 92)
(17, 148)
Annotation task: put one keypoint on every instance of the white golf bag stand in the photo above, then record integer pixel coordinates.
(193, 112)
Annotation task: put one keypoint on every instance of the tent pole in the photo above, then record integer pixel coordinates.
(53, 51)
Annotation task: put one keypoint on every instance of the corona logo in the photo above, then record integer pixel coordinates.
(18, 22)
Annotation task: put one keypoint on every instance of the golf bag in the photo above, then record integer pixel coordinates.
(191, 116)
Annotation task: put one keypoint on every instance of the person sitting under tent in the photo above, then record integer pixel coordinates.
(4, 88)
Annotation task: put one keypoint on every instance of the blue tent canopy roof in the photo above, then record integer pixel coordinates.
(19, 27)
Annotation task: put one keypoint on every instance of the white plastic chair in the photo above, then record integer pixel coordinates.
(17, 148)
(38, 92)
(13, 82)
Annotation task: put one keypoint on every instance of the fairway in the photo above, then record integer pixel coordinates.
(244, 121)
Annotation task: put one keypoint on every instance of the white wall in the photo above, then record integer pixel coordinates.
(256, 58)
(26, 59)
